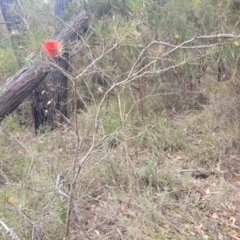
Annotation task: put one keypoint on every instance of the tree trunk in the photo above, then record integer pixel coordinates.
(42, 111)
(60, 7)
(12, 20)
(59, 81)
(59, 85)
(18, 87)
(48, 114)
(9, 10)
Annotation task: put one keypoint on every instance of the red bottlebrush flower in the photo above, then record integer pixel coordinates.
(52, 48)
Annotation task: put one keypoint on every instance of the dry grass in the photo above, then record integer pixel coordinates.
(163, 162)
(174, 177)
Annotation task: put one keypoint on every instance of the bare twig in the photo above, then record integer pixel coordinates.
(96, 60)
(137, 71)
(58, 186)
(10, 232)
(187, 47)
(4, 176)
(175, 47)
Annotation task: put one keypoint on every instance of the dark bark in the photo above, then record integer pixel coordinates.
(71, 29)
(13, 21)
(42, 111)
(46, 114)
(59, 84)
(59, 81)
(18, 87)
(60, 7)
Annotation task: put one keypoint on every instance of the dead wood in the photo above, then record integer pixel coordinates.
(19, 86)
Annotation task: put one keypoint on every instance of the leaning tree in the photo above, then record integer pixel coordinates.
(44, 114)
(19, 86)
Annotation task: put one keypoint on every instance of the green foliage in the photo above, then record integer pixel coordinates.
(111, 123)
(12, 123)
(8, 62)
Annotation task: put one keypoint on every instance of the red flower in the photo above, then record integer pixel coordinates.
(52, 48)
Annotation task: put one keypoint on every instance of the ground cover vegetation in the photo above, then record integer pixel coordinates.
(151, 148)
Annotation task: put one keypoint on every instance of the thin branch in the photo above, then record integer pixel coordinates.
(58, 186)
(10, 232)
(221, 35)
(4, 176)
(96, 60)
(188, 47)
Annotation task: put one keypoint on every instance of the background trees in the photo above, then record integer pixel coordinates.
(152, 127)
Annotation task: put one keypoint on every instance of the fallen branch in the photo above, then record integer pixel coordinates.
(10, 232)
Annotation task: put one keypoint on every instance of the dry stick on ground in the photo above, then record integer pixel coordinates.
(10, 232)
(18, 87)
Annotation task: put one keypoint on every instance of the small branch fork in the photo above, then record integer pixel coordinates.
(135, 73)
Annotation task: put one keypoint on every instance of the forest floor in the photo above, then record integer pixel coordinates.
(177, 176)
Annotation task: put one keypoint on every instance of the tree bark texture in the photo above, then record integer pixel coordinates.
(47, 114)
(58, 81)
(59, 84)
(18, 87)
(42, 111)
